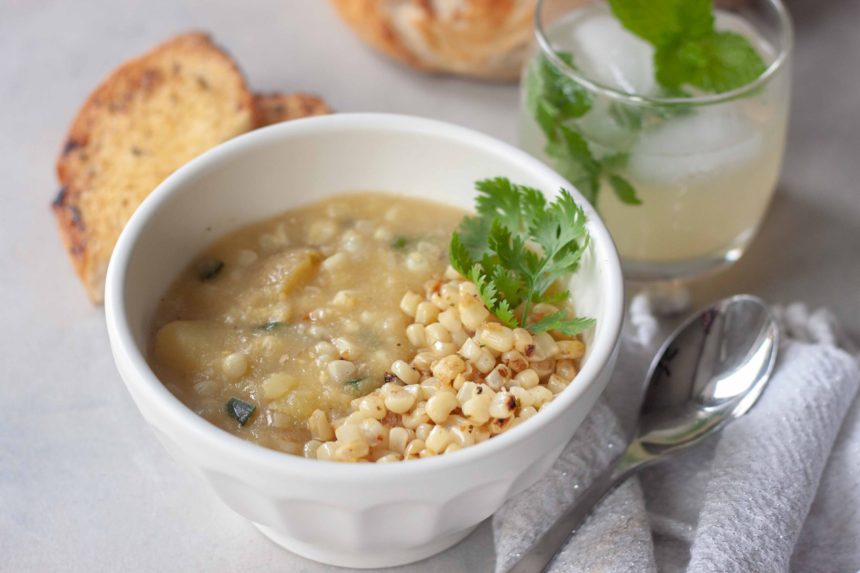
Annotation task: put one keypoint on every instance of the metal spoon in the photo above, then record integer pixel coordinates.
(711, 370)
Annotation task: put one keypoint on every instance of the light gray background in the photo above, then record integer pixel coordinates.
(84, 486)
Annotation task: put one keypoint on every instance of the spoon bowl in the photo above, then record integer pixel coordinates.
(711, 370)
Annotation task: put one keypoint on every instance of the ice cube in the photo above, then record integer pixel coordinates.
(607, 53)
(707, 142)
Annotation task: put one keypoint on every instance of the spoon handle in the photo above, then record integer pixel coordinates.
(536, 558)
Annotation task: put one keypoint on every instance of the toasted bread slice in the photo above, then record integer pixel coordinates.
(277, 107)
(149, 117)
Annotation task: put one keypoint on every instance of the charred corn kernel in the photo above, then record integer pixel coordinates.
(413, 448)
(477, 408)
(522, 340)
(523, 397)
(571, 349)
(515, 361)
(540, 395)
(466, 391)
(278, 385)
(417, 335)
(398, 400)
(452, 447)
(430, 386)
(423, 360)
(527, 412)
(435, 332)
(442, 349)
(543, 367)
(566, 369)
(498, 377)
(467, 289)
(426, 313)
(503, 405)
(440, 406)
(372, 407)
(388, 458)
(458, 337)
(352, 450)
(450, 319)
(415, 418)
(485, 361)
(542, 310)
(470, 350)
(326, 451)
(423, 430)
(309, 450)
(319, 426)
(438, 440)
(405, 372)
(545, 346)
(528, 378)
(556, 383)
(446, 369)
(349, 432)
(374, 432)
(472, 312)
(398, 439)
(480, 435)
(451, 273)
(498, 337)
(426, 453)
(409, 303)
(461, 436)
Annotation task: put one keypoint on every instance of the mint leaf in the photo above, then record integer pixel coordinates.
(624, 190)
(689, 50)
(575, 161)
(569, 99)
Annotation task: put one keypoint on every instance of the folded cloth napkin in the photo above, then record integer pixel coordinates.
(778, 490)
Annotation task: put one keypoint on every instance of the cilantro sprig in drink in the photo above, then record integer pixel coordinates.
(669, 115)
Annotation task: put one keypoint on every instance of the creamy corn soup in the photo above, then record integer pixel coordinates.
(338, 331)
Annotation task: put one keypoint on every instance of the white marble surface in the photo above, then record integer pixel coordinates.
(84, 486)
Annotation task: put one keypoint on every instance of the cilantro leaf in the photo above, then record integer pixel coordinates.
(489, 295)
(530, 246)
(559, 321)
(624, 190)
(458, 255)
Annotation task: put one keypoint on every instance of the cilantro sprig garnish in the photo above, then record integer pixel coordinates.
(556, 101)
(517, 248)
(689, 51)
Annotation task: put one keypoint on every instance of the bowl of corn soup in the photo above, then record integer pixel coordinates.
(330, 321)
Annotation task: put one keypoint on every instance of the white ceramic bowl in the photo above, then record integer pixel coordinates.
(357, 515)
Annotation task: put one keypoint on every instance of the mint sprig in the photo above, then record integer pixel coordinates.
(517, 248)
(689, 51)
(556, 101)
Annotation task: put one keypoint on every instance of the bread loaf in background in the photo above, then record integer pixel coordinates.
(480, 38)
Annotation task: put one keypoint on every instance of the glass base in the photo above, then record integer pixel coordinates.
(657, 271)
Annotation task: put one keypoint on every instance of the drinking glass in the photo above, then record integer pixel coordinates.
(682, 179)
